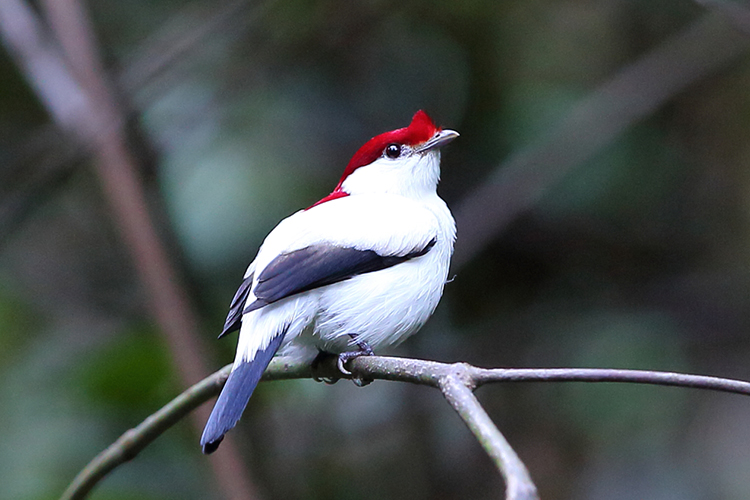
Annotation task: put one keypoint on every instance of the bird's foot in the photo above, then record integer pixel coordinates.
(315, 366)
(345, 357)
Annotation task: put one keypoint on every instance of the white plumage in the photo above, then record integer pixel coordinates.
(381, 307)
(364, 266)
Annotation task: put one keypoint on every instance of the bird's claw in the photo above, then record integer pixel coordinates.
(345, 357)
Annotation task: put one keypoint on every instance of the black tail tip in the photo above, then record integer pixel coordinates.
(212, 446)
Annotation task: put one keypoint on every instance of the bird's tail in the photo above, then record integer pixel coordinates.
(235, 395)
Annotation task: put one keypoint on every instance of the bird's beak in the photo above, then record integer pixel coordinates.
(438, 140)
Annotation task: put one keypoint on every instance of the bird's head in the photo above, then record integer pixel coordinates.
(404, 161)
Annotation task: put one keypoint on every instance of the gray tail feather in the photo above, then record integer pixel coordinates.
(235, 395)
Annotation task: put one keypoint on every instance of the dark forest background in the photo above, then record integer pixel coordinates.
(601, 185)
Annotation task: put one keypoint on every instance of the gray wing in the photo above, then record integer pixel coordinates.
(320, 265)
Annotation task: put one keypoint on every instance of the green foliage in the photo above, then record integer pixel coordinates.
(131, 375)
(17, 324)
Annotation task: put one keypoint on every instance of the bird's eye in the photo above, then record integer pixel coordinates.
(393, 151)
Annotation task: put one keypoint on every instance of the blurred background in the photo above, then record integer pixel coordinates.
(600, 184)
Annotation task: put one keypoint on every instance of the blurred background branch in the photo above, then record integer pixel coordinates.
(634, 93)
(736, 13)
(71, 82)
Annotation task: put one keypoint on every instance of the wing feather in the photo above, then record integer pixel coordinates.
(234, 317)
(320, 265)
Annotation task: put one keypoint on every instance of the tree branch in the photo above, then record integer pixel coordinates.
(135, 440)
(456, 381)
(458, 390)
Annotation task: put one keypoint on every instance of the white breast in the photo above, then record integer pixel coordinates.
(385, 307)
(382, 307)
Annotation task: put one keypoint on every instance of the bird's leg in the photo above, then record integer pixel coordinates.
(315, 365)
(344, 357)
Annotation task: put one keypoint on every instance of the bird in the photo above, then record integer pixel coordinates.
(361, 269)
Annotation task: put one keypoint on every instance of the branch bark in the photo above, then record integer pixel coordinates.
(458, 390)
(456, 381)
(135, 440)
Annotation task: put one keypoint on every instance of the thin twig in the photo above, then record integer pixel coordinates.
(484, 376)
(444, 376)
(429, 373)
(458, 391)
(135, 440)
